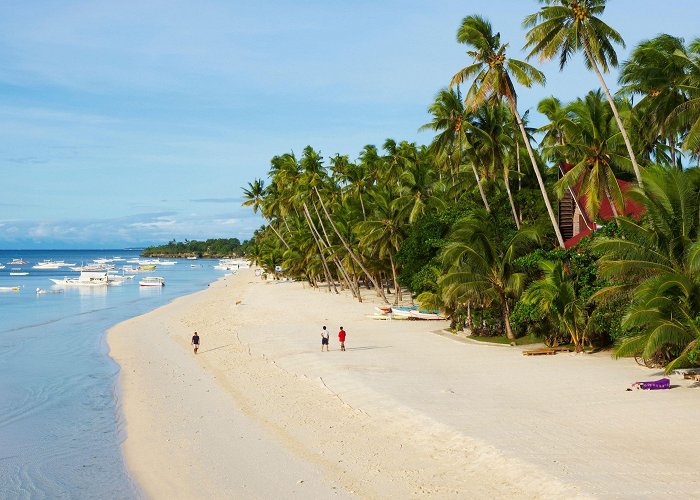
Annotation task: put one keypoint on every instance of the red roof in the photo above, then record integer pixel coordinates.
(632, 208)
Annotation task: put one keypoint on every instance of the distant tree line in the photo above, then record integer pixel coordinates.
(214, 248)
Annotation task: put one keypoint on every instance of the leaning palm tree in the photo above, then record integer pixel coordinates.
(481, 263)
(563, 27)
(490, 77)
(659, 263)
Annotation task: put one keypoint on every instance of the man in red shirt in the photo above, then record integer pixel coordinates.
(341, 338)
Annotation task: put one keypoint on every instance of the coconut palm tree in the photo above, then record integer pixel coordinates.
(591, 143)
(688, 113)
(563, 27)
(656, 73)
(490, 77)
(383, 233)
(659, 262)
(481, 263)
(554, 295)
(450, 120)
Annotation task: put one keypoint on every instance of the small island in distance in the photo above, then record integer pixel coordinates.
(212, 248)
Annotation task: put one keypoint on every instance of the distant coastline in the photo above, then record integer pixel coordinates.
(210, 249)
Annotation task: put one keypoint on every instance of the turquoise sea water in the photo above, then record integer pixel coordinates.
(60, 422)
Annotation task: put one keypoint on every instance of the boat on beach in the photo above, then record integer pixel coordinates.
(426, 315)
(152, 281)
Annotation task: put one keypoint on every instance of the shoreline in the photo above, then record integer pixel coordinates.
(400, 414)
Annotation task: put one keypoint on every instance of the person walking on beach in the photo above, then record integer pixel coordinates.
(341, 338)
(324, 339)
(195, 342)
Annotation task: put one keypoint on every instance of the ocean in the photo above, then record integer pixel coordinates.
(61, 426)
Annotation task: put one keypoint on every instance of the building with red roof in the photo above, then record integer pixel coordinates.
(575, 223)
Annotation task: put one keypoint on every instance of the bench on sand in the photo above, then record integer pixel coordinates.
(544, 351)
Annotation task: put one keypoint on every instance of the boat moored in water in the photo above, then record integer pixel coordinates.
(152, 281)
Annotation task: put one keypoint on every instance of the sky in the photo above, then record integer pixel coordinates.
(130, 123)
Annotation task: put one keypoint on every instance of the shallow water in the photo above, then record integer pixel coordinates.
(60, 422)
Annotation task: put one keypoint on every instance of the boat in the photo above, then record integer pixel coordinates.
(17, 262)
(9, 289)
(167, 262)
(152, 281)
(428, 315)
(402, 312)
(2, 267)
(86, 278)
(192, 258)
(148, 267)
(19, 273)
(40, 291)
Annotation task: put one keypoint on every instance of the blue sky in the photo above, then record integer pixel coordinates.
(136, 122)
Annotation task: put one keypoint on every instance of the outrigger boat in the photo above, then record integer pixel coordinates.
(152, 281)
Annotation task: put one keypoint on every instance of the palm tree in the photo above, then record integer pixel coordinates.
(555, 297)
(563, 27)
(659, 262)
(592, 144)
(481, 263)
(490, 76)
(655, 72)
(450, 120)
(490, 127)
(383, 232)
(255, 197)
(688, 113)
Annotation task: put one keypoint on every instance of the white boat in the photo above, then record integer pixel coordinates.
(402, 312)
(2, 267)
(19, 273)
(48, 264)
(9, 289)
(86, 278)
(40, 291)
(152, 281)
(167, 262)
(429, 315)
(17, 262)
(192, 258)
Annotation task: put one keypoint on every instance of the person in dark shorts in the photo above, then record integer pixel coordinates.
(195, 342)
(341, 338)
(324, 338)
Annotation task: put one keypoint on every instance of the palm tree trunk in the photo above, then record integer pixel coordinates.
(606, 188)
(510, 198)
(517, 161)
(362, 204)
(396, 282)
(481, 188)
(278, 235)
(347, 247)
(327, 245)
(637, 172)
(543, 189)
(327, 271)
(506, 318)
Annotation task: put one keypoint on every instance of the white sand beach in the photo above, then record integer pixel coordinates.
(405, 412)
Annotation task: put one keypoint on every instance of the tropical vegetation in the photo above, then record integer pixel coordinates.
(470, 223)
